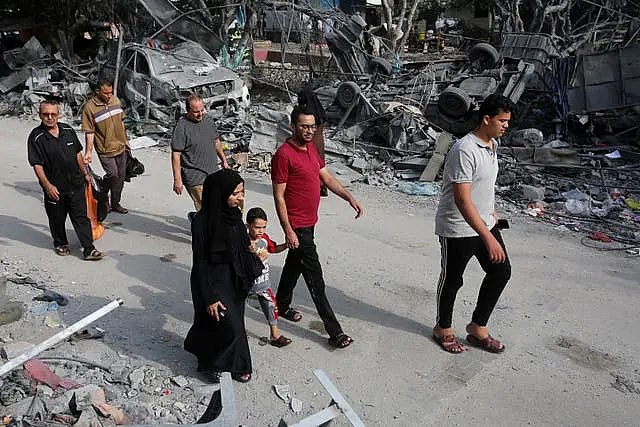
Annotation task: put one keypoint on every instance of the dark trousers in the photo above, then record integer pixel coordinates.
(304, 260)
(456, 253)
(115, 169)
(75, 204)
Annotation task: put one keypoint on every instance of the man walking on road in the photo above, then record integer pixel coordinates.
(195, 149)
(467, 226)
(55, 154)
(103, 126)
(296, 174)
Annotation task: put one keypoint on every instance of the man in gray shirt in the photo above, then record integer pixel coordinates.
(466, 223)
(194, 147)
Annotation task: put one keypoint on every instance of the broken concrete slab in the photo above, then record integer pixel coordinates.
(550, 156)
(14, 349)
(532, 193)
(14, 80)
(10, 311)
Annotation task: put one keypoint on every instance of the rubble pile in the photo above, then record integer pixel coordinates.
(590, 190)
(63, 387)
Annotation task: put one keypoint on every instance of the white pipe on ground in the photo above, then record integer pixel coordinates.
(33, 352)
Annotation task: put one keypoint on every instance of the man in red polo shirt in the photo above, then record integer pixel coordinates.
(296, 174)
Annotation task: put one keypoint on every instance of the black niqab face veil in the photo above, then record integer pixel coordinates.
(226, 235)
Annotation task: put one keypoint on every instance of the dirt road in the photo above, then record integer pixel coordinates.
(569, 317)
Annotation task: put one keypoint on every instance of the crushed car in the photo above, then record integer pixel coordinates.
(157, 81)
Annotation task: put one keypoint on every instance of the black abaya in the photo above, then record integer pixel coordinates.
(219, 345)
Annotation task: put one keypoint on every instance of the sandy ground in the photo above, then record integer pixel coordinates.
(569, 316)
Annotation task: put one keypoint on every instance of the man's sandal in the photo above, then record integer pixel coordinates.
(489, 343)
(292, 315)
(449, 343)
(280, 342)
(94, 255)
(63, 250)
(341, 341)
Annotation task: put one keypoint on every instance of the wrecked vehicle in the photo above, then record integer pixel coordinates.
(159, 80)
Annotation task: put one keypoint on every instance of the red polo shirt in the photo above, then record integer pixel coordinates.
(300, 170)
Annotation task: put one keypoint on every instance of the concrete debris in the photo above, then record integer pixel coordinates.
(14, 349)
(571, 157)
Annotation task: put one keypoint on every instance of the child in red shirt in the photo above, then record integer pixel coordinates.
(263, 246)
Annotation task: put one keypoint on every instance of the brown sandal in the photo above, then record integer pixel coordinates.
(489, 343)
(94, 255)
(449, 343)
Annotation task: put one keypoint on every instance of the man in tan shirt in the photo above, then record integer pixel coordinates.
(103, 126)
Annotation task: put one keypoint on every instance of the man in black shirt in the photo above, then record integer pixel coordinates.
(55, 154)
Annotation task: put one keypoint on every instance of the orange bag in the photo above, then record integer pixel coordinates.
(97, 229)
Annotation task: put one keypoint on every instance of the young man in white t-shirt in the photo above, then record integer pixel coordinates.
(467, 226)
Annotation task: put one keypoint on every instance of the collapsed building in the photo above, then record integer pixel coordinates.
(571, 158)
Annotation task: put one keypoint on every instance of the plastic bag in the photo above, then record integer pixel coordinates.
(97, 229)
(133, 168)
(419, 188)
(100, 193)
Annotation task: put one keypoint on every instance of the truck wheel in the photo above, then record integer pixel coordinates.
(348, 93)
(485, 55)
(454, 102)
(380, 66)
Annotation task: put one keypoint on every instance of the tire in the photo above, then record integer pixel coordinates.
(454, 102)
(484, 55)
(348, 94)
(380, 66)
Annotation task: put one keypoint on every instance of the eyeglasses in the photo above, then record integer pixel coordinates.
(49, 114)
(307, 127)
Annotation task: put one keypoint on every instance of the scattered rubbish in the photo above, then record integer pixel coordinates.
(168, 257)
(600, 236)
(283, 392)
(89, 333)
(142, 142)
(39, 372)
(60, 336)
(21, 280)
(49, 296)
(419, 188)
(339, 406)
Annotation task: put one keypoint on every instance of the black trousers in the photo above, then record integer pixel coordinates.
(74, 204)
(304, 260)
(456, 253)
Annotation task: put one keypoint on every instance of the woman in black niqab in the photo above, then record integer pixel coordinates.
(222, 273)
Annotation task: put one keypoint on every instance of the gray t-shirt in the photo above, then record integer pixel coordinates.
(196, 143)
(262, 282)
(469, 160)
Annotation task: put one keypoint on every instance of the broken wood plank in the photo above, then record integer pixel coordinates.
(437, 160)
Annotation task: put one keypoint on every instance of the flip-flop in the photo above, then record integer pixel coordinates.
(449, 343)
(63, 250)
(280, 342)
(94, 255)
(489, 343)
(292, 315)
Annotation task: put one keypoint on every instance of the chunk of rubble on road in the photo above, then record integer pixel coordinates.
(14, 349)
(180, 381)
